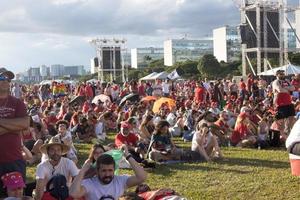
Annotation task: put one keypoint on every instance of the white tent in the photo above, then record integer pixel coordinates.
(289, 69)
(148, 77)
(161, 75)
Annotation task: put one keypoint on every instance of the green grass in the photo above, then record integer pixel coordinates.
(243, 174)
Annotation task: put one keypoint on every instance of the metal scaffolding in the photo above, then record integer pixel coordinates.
(262, 28)
(113, 45)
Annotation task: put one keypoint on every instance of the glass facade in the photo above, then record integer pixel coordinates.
(141, 57)
(184, 49)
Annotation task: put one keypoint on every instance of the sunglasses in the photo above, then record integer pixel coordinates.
(4, 78)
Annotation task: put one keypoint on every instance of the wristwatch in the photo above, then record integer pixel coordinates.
(129, 156)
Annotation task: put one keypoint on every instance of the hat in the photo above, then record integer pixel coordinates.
(13, 180)
(54, 141)
(8, 74)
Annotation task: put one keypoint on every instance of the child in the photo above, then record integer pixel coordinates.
(14, 184)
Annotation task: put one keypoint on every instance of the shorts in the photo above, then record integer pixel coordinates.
(18, 165)
(295, 149)
(285, 112)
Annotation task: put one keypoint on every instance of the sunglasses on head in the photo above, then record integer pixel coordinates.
(4, 78)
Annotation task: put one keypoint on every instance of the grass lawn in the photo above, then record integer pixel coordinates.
(243, 174)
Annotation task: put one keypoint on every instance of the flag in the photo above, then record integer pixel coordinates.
(173, 75)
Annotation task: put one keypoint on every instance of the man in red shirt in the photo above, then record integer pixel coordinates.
(283, 101)
(199, 93)
(13, 119)
(130, 139)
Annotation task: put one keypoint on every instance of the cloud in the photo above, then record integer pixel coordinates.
(35, 32)
(90, 17)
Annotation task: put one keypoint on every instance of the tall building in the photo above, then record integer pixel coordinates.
(74, 70)
(44, 71)
(227, 44)
(141, 57)
(180, 50)
(56, 71)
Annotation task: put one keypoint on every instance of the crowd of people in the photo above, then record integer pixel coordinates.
(41, 123)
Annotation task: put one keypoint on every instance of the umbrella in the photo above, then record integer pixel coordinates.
(78, 100)
(130, 97)
(149, 98)
(102, 97)
(171, 103)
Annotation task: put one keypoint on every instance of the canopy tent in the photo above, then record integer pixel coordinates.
(148, 77)
(289, 69)
(161, 75)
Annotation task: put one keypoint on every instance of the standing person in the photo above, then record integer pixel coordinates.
(55, 164)
(106, 185)
(283, 101)
(166, 88)
(13, 120)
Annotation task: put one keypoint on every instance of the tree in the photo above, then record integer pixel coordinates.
(209, 66)
(294, 58)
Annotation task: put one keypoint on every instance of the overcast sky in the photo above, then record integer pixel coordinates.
(36, 32)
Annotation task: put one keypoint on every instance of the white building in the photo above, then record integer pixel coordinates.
(227, 44)
(141, 57)
(77, 70)
(297, 19)
(56, 70)
(180, 50)
(94, 69)
(43, 70)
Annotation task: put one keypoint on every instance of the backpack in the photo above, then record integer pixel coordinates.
(57, 187)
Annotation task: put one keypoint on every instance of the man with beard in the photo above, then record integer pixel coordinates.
(283, 100)
(106, 185)
(13, 119)
(55, 164)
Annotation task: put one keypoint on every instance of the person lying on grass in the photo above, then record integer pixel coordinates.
(206, 144)
(145, 192)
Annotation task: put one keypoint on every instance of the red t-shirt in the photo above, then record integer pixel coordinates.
(131, 139)
(296, 84)
(240, 132)
(141, 90)
(10, 143)
(223, 126)
(242, 86)
(199, 94)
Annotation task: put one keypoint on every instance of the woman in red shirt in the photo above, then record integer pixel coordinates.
(242, 135)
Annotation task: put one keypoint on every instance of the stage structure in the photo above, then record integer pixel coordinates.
(110, 58)
(263, 31)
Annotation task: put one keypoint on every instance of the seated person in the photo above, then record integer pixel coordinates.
(242, 136)
(106, 185)
(205, 143)
(131, 140)
(14, 184)
(66, 137)
(84, 131)
(96, 151)
(55, 164)
(162, 146)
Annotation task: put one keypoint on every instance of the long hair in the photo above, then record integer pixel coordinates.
(159, 126)
(92, 151)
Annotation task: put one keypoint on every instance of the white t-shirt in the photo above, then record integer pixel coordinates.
(66, 167)
(99, 130)
(293, 138)
(166, 88)
(196, 137)
(95, 190)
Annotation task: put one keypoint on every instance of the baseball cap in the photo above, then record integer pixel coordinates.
(8, 74)
(13, 180)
